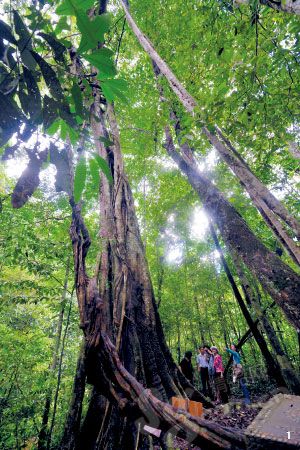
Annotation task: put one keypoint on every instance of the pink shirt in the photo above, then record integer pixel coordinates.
(218, 364)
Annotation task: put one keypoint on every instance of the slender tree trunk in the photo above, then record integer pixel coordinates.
(199, 321)
(298, 336)
(277, 278)
(70, 439)
(59, 374)
(247, 336)
(273, 368)
(43, 435)
(276, 323)
(178, 343)
(223, 324)
(286, 368)
(160, 279)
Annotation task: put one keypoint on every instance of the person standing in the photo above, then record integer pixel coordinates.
(238, 373)
(202, 365)
(220, 383)
(186, 366)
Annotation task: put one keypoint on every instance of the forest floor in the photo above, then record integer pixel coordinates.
(235, 415)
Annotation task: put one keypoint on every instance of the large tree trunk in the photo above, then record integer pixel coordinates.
(122, 309)
(277, 278)
(269, 206)
(111, 379)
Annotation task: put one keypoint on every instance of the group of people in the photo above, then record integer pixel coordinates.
(211, 370)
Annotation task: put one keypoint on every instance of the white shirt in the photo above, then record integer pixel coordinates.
(202, 360)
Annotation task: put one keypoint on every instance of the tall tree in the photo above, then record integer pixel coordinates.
(273, 279)
(263, 199)
(277, 278)
(124, 308)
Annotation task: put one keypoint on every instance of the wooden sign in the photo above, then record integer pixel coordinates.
(194, 408)
(181, 403)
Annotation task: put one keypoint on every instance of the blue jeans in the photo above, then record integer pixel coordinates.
(245, 390)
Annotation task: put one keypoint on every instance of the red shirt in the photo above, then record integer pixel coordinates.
(218, 364)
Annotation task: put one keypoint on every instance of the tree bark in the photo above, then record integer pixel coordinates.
(273, 368)
(294, 150)
(199, 321)
(70, 438)
(186, 99)
(123, 307)
(111, 379)
(268, 205)
(278, 279)
(285, 367)
(289, 6)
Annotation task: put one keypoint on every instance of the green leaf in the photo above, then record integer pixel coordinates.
(92, 30)
(73, 135)
(50, 77)
(104, 167)
(102, 60)
(72, 7)
(94, 170)
(11, 118)
(65, 114)
(50, 111)
(79, 179)
(53, 127)
(6, 33)
(25, 42)
(23, 97)
(56, 46)
(114, 88)
(22, 30)
(68, 131)
(27, 58)
(35, 104)
(62, 25)
(77, 98)
(63, 130)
